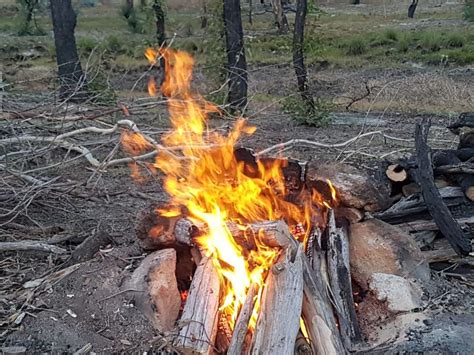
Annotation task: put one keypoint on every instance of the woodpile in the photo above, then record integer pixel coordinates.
(371, 240)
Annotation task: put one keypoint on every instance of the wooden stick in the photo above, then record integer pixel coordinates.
(340, 281)
(31, 245)
(279, 319)
(430, 225)
(437, 208)
(241, 326)
(200, 314)
(396, 173)
(318, 315)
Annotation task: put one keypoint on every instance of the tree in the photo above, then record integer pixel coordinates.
(412, 8)
(236, 62)
(298, 54)
(160, 31)
(71, 77)
(27, 13)
(280, 17)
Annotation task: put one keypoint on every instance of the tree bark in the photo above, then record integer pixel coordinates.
(71, 77)
(280, 17)
(236, 62)
(160, 33)
(412, 8)
(298, 55)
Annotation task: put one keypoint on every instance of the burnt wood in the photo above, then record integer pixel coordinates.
(340, 281)
(434, 202)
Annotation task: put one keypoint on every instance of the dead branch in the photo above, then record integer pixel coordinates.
(31, 245)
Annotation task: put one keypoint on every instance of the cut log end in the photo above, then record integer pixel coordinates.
(396, 173)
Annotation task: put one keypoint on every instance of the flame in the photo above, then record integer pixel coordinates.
(215, 188)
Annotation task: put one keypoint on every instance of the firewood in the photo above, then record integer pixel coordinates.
(279, 319)
(441, 252)
(430, 225)
(200, 315)
(241, 326)
(396, 173)
(464, 180)
(318, 315)
(31, 245)
(413, 188)
(340, 281)
(437, 208)
(302, 346)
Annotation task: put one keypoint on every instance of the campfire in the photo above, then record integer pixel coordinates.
(251, 253)
(254, 230)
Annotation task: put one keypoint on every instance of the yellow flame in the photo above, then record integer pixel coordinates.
(215, 188)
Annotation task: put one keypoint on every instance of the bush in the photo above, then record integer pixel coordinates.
(356, 46)
(86, 45)
(431, 41)
(403, 44)
(455, 40)
(469, 10)
(391, 35)
(302, 114)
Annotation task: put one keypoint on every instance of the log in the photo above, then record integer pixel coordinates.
(434, 202)
(464, 180)
(430, 225)
(241, 326)
(318, 315)
(198, 324)
(341, 283)
(279, 319)
(302, 346)
(396, 173)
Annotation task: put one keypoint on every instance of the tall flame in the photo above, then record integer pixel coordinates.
(214, 187)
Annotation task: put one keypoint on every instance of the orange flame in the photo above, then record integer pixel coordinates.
(215, 188)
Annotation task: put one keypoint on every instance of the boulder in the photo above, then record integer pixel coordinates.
(378, 247)
(400, 294)
(157, 295)
(355, 188)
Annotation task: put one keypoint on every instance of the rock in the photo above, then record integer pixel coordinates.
(399, 293)
(159, 298)
(378, 247)
(355, 188)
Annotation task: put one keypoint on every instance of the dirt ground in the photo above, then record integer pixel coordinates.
(62, 314)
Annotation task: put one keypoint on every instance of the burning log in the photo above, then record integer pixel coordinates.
(200, 314)
(318, 315)
(340, 281)
(278, 323)
(438, 210)
(241, 326)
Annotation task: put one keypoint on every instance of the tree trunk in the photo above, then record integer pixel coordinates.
(71, 77)
(298, 56)
(204, 14)
(237, 65)
(280, 17)
(412, 8)
(128, 6)
(160, 33)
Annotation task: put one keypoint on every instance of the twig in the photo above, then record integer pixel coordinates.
(31, 245)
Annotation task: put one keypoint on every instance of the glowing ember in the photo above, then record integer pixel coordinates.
(210, 183)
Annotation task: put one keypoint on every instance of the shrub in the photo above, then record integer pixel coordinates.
(86, 45)
(431, 41)
(403, 43)
(356, 46)
(302, 114)
(455, 40)
(469, 10)
(391, 35)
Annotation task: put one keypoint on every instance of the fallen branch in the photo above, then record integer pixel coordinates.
(31, 245)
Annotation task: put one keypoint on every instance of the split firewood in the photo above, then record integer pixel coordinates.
(278, 323)
(340, 281)
(430, 225)
(437, 208)
(464, 180)
(200, 315)
(318, 315)
(241, 326)
(155, 290)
